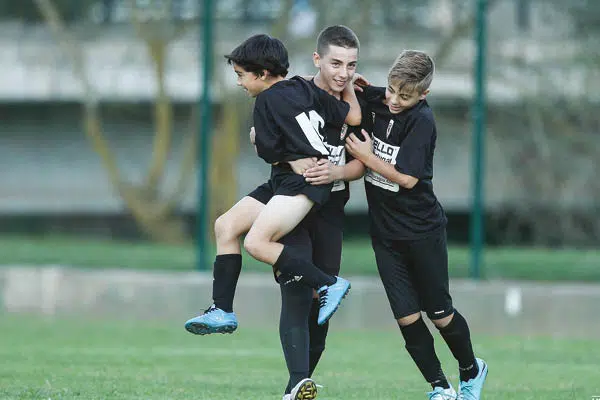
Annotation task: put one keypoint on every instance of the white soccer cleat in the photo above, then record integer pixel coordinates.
(439, 393)
(306, 389)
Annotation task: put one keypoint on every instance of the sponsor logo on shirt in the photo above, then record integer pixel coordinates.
(343, 132)
(387, 153)
(389, 128)
(337, 156)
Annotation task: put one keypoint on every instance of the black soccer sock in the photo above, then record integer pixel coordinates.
(419, 344)
(296, 300)
(226, 272)
(318, 335)
(458, 338)
(291, 263)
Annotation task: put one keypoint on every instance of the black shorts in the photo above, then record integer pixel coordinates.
(320, 237)
(299, 240)
(285, 182)
(263, 193)
(333, 210)
(414, 274)
(320, 233)
(326, 238)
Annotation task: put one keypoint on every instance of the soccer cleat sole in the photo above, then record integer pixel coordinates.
(202, 329)
(338, 306)
(307, 391)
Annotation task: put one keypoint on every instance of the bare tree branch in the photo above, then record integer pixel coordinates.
(90, 98)
(460, 30)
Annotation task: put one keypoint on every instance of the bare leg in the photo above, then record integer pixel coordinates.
(279, 216)
(230, 226)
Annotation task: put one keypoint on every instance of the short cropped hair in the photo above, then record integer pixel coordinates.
(259, 53)
(336, 35)
(412, 70)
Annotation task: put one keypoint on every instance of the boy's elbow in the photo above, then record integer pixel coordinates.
(359, 171)
(408, 182)
(354, 119)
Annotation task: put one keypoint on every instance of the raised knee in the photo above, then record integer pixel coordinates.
(220, 226)
(226, 228)
(252, 246)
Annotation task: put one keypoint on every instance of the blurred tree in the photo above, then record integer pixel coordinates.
(553, 139)
(280, 28)
(229, 129)
(460, 29)
(154, 212)
(70, 10)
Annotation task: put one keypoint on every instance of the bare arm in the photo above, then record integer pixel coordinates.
(363, 151)
(325, 172)
(360, 82)
(302, 165)
(354, 116)
(352, 171)
(387, 170)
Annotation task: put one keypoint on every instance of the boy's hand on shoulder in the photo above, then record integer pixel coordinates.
(323, 173)
(360, 149)
(302, 165)
(359, 81)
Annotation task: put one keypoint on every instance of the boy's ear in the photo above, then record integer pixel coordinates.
(263, 75)
(316, 59)
(425, 93)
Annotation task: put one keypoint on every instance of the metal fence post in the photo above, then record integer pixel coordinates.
(477, 231)
(206, 55)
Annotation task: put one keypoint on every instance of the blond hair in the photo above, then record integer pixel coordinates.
(412, 70)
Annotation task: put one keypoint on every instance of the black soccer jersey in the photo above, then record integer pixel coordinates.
(335, 139)
(407, 141)
(290, 119)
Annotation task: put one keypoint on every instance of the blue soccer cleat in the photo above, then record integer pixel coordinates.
(214, 320)
(330, 298)
(471, 389)
(439, 393)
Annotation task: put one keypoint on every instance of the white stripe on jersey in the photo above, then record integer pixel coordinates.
(310, 125)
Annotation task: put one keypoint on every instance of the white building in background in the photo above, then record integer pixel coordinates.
(48, 165)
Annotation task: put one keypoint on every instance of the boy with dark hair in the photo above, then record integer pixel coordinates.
(408, 224)
(289, 117)
(303, 339)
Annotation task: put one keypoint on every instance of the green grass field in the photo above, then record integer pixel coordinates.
(95, 359)
(504, 263)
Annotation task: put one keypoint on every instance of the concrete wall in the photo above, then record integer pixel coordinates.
(49, 166)
(498, 308)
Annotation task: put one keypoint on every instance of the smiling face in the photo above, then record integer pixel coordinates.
(402, 97)
(249, 81)
(336, 67)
